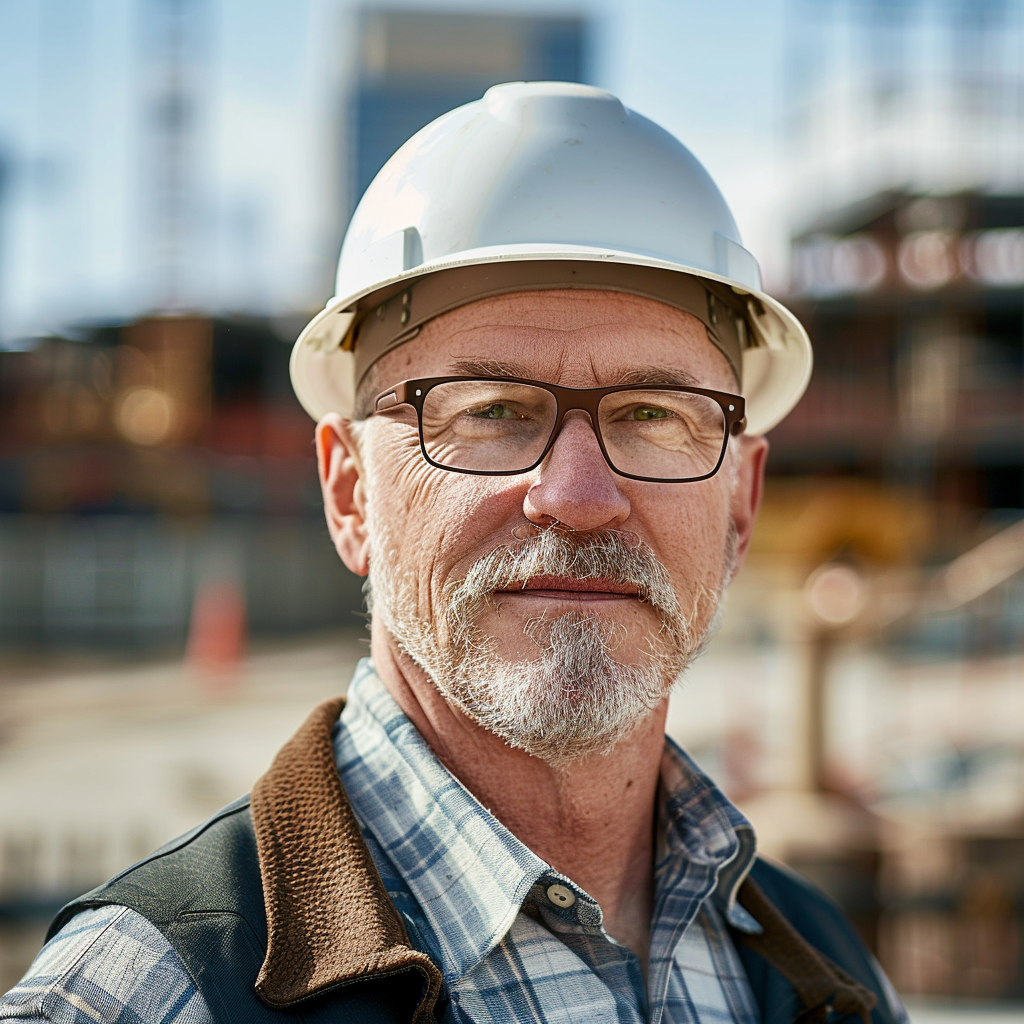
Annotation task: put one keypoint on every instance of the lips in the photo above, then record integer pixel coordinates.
(567, 586)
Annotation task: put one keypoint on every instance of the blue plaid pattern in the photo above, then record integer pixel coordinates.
(107, 965)
(472, 896)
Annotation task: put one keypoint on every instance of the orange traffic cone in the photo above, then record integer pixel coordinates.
(217, 631)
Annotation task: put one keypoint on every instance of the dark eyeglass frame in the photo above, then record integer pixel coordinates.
(414, 393)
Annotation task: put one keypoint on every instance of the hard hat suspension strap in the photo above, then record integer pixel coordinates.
(390, 317)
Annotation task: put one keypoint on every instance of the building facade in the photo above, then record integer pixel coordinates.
(414, 66)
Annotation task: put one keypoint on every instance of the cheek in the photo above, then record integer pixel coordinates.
(434, 521)
(690, 536)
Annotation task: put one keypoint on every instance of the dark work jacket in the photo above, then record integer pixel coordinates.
(278, 914)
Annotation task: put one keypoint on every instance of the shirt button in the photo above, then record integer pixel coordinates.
(561, 896)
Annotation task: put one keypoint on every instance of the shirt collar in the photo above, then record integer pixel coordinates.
(698, 821)
(469, 874)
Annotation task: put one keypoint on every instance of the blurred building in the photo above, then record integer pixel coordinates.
(903, 461)
(923, 94)
(907, 152)
(141, 463)
(414, 65)
(915, 306)
(906, 155)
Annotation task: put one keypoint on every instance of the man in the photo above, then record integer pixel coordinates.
(541, 391)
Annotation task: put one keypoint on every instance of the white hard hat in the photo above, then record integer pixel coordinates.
(545, 185)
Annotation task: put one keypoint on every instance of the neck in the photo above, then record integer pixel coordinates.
(592, 820)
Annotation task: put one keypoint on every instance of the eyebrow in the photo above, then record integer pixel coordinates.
(489, 368)
(501, 368)
(658, 375)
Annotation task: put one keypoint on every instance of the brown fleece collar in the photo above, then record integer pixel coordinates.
(329, 918)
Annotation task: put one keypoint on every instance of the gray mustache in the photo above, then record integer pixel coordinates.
(609, 554)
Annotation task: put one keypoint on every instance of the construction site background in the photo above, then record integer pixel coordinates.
(171, 607)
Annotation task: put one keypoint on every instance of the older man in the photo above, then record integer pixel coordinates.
(541, 392)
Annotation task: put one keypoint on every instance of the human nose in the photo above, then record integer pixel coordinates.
(575, 485)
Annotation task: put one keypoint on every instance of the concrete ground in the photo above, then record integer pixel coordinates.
(956, 1012)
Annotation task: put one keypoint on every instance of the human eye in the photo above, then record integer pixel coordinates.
(494, 411)
(661, 417)
(642, 409)
(645, 413)
(480, 410)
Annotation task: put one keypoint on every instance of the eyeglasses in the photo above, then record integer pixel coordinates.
(501, 426)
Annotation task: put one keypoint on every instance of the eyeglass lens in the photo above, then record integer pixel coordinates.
(503, 427)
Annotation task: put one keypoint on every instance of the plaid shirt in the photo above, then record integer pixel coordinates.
(473, 897)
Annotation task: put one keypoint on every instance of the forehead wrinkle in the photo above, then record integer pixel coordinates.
(566, 312)
(520, 325)
(501, 319)
(652, 374)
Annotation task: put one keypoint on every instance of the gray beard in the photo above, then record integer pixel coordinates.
(575, 698)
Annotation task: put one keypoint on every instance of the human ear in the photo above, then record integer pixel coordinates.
(342, 485)
(747, 490)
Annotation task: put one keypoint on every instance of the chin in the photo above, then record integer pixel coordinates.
(576, 699)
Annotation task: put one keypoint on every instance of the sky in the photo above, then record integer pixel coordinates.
(76, 177)
(75, 224)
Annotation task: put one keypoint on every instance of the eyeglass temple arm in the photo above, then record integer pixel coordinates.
(390, 398)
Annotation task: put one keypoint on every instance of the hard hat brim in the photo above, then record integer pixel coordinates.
(776, 364)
